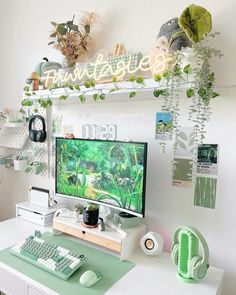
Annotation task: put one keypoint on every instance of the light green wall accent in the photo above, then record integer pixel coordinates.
(205, 192)
(183, 170)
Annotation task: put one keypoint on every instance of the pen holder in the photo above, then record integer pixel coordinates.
(20, 165)
(90, 217)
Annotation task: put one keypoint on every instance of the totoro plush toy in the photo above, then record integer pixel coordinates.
(171, 36)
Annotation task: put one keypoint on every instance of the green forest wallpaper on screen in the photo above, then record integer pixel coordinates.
(109, 172)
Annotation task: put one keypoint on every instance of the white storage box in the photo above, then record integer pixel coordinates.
(36, 214)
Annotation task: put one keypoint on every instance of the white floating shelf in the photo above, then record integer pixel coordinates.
(125, 87)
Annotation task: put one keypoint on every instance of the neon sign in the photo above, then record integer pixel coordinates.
(102, 69)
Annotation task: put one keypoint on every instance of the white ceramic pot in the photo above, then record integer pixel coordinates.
(190, 59)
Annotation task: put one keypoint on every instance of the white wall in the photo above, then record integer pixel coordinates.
(24, 31)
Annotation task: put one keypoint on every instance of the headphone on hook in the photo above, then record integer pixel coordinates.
(37, 135)
(184, 253)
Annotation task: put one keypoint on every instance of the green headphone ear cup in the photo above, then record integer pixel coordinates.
(175, 254)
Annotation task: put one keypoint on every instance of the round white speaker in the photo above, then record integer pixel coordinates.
(152, 243)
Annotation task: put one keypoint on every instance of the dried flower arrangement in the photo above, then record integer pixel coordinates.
(73, 40)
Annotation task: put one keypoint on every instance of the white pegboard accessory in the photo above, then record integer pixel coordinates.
(13, 137)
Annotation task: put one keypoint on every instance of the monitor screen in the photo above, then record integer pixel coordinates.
(111, 173)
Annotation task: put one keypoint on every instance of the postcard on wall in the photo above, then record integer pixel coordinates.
(182, 174)
(207, 159)
(205, 192)
(185, 142)
(163, 126)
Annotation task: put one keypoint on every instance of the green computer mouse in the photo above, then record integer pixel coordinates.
(90, 277)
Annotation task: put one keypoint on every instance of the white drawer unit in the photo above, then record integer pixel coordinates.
(123, 245)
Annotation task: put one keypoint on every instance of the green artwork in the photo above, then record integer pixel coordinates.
(185, 142)
(182, 173)
(106, 171)
(205, 192)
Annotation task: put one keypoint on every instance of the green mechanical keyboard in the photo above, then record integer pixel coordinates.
(55, 259)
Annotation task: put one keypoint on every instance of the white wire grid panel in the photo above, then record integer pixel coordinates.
(15, 142)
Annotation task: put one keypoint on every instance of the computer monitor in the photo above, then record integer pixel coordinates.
(111, 173)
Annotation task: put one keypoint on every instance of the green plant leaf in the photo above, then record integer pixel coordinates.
(27, 103)
(187, 69)
(22, 111)
(82, 98)
(87, 84)
(49, 102)
(54, 24)
(61, 30)
(74, 27)
(95, 96)
(165, 73)
(71, 87)
(132, 78)
(157, 92)
(177, 71)
(35, 110)
(63, 97)
(92, 83)
(202, 92)
(157, 77)
(215, 94)
(211, 77)
(53, 34)
(102, 96)
(114, 78)
(164, 92)
(139, 79)
(27, 94)
(114, 89)
(132, 94)
(42, 103)
(190, 92)
(77, 87)
(26, 88)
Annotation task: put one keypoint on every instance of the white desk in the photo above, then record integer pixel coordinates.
(151, 275)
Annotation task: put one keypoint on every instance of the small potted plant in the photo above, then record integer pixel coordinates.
(90, 215)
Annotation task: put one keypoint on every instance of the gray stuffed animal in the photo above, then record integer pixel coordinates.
(171, 35)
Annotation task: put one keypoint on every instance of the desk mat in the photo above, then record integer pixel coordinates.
(110, 266)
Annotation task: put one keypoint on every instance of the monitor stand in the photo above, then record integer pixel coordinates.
(109, 220)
